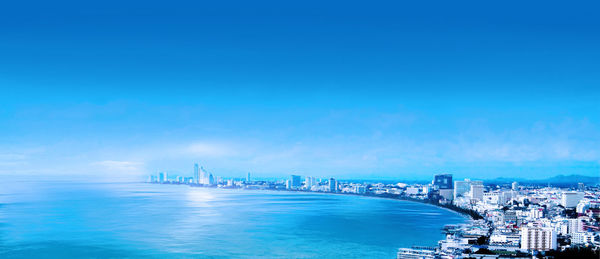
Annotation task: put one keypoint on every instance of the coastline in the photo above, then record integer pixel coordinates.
(473, 215)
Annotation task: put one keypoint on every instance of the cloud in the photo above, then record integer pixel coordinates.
(121, 166)
(210, 149)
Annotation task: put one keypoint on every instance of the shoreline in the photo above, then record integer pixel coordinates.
(471, 214)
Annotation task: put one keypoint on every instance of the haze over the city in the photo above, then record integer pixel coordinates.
(337, 89)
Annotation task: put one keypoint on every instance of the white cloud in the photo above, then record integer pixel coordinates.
(122, 166)
(210, 149)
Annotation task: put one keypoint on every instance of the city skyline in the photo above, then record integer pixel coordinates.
(334, 89)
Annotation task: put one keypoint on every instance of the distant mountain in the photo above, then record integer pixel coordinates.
(559, 179)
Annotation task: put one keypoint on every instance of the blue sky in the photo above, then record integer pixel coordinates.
(385, 89)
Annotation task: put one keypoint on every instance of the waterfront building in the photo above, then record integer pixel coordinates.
(248, 177)
(211, 179)
(461, 188)
(196, 175)
(477, 190)
(162, 177)
(534, 238)
(413, 190)
(410, 253)
(309, 182)
(296, 181)
(332, 185)
(447, 194)
(360, 189)
(443, 181)
(570, 199)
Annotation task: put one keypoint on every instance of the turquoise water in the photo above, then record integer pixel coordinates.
(103, 220)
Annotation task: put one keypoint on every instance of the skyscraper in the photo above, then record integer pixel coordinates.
(211, 179)
(477, 190)
(461, 188)
(248, 177)
(204, 177)
(332, 185)
(515, 186)
(295, 182)
(443, 181)
(196, 176)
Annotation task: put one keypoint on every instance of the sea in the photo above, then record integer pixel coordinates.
(58, 219)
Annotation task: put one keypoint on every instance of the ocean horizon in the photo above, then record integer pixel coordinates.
(110, 220)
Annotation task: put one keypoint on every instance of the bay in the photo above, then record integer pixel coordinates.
(114, 220)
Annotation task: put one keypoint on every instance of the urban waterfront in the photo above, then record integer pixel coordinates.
(58, 219)
(508, 219)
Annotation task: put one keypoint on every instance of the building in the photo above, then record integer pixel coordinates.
(309, 182)
(574, 226)
(295, 182)
(332, 185)
(409, 253)
(360, 189)
(443, 181)
(542, 239)
(570, 199)
(288, 184)
(162, 177)
(477, 190)
(461, 188)
(248, 177)
(515, 186)
(447, 194)
(580, 187)
(584, 238)
(196, 175)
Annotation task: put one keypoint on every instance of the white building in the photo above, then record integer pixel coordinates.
(533, 238)
(575, 226)
(583, 238)
(477, 190)
(461, 188)
(447, 193)
(413, 190)
(570, 199)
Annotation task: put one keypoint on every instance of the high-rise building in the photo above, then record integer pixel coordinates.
(574, 226)
(309, 182)
(570, 199)
(580, 187)
(332, 185)
(296, 181)
(515, 186)
(541, 239)
(162, 177)
(443, 181)
(461, 188)
(211, 179)
(248, 177)
(477, 190)
(204, 177)
(196, 176)
(447, 194)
